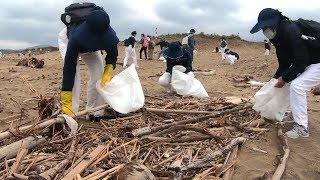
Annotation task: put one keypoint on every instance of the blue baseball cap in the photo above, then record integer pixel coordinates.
(96, 32)
(174, 51)
(268, 17)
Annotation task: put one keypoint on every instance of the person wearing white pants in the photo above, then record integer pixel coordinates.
(175, 55)
(86, 40)
(299, 63)
(130, 51)
(223, 47)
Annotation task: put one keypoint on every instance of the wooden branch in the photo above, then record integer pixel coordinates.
(86, 162)
(10, 118)
(231, 162)
(282, 166)
(11, 150)
(186, 128)
(16, 165)
(155, 110)
(179, 140)
(217, 154)
(113, 150)
(148, 130)
(51, 173)
(47, 123)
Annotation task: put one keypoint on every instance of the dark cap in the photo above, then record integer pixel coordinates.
(174, 51)
(192, 31)
(268, 17)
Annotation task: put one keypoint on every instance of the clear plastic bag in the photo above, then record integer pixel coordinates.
(124, 92)
(186, 85)
(272, 102)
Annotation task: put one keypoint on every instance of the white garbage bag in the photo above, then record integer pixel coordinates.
(231, 59)
(124, 92)
(272, 102)
(186, 85)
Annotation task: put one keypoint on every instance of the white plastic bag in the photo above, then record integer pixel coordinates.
(186, 85)
(231, 59)
(272, 102)
(124, 92)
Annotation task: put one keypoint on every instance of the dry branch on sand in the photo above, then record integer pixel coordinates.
(187, 138)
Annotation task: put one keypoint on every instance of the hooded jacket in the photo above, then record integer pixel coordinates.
(184, 61)
(294, 54)
(82, 41)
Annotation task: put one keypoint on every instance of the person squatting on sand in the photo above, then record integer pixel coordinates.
(231, 56)
(175, 55)
(299, 63)
(130, 51)
(86, 39)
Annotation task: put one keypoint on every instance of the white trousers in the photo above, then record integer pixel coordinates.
(298, 93)
(130, 52)
(222, 52)
(165, 80)
(267, 52)
(94, 62)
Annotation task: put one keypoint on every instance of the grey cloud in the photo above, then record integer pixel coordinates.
(38, 22)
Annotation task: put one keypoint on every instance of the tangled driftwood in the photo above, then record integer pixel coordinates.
(186, 138)
(195, 144)
(31, 62)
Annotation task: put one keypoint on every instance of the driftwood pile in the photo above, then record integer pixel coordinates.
(172, 138)
(31, 62)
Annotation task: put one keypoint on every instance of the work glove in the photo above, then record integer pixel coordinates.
(66, 101)
(106, 74)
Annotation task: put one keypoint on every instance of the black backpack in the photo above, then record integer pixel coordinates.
(310, 30)
(77, 12)
(126, 42)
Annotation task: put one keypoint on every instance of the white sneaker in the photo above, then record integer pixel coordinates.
(288, 118)
(298, 131)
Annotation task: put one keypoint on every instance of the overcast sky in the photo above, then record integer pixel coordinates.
(25, 23)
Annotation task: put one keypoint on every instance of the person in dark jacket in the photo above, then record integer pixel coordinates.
(191, 43)
(144, 45)
(163, 46)
(175, 55)
(86, 40)
(231, 56)
(130, 51)
(299, 64)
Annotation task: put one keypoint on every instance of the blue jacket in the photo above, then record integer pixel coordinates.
(75, 47)
(293, 53)
(191, 42)
(184, 61)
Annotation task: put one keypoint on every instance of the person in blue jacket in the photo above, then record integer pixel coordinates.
(191, 43)
(86, 40)
(299, 64)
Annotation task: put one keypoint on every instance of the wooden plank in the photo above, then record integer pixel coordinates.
(85, 163)
(15, 167)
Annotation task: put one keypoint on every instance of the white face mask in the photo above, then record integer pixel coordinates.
(269, 33)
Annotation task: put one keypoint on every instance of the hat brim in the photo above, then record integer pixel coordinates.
(101, 41)
(173, 55)
(264, 24)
